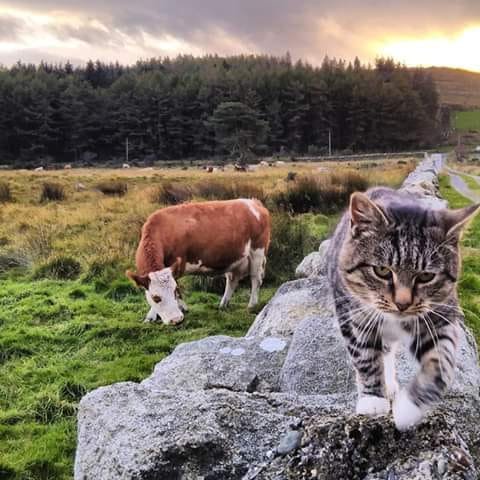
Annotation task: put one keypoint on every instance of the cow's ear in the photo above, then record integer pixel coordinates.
(176, 267)
(140, 280)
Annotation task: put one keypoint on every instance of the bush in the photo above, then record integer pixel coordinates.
(220, 190)
(52, 192)
(5, 192)
(171, 193)
(291, 241)
(114, 188)
(322, 194)
(59, 268)
(11, 260)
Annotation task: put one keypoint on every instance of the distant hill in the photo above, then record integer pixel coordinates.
(457, 87)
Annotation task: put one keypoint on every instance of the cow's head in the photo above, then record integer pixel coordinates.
(161, 291)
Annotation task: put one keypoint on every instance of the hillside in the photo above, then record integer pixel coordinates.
(457, 87)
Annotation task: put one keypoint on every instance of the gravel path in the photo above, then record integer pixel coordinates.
(461, 187)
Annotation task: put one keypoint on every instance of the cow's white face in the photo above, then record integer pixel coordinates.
(162, 296)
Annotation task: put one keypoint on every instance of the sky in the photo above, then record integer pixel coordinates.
(421, 32)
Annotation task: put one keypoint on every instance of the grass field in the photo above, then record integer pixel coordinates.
(467, 121)
(71, 322)
(469, 286)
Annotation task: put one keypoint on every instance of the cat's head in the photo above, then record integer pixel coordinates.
(401, 258)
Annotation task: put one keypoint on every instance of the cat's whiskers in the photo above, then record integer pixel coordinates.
(351, 315)
(435, 312)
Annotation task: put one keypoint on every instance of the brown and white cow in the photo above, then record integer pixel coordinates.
(220, 237)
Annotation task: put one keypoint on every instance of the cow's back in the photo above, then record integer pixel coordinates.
(214, 233)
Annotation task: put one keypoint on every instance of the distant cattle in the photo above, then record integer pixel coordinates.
(240, 168)
(220, 237)
(67, 166)
(125, 165)
(39, 169)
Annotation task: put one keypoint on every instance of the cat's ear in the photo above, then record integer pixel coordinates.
(365, 214)
(457, 220)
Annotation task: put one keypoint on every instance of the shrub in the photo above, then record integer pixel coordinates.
(52, 192)
(291, 241)
(350, 181)
(11, 260)
(220, 190)
(322, 194)
(114, 188)
(5, 192)
(37, 241)
(171, 193)
(59, 268)
(291, 176)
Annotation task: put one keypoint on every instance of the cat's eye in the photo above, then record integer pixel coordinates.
(383, 272)
(156, 298)
(425, 277)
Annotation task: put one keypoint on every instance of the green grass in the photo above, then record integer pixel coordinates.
(466, 121)
(62, 339)
(469, 285)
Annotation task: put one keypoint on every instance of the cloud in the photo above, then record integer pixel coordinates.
(124, 30)
(10, 28)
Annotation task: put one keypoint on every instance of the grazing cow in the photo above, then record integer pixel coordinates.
(220, 237)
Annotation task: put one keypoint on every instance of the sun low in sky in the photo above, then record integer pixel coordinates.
(425, 32)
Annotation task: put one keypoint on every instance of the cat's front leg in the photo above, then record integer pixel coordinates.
(391, 384)
(435, 350)
(368, 363)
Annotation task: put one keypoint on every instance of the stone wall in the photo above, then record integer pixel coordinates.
(277, 403)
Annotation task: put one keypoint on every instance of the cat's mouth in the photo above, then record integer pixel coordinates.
(412, 311)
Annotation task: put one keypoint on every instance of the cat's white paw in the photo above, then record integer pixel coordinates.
(372, 405)
(405, 413)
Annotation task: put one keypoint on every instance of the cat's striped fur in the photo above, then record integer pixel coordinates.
(393, 272)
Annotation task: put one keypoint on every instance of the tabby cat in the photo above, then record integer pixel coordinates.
(393, 274)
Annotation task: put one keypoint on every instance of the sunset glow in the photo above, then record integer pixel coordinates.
(118, 31)
(460, 51)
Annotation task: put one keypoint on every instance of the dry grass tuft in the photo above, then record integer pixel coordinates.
(52, 192)
(112, 187)
(5, 192)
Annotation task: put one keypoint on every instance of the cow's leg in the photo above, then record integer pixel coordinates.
(257, 271)
(232, 280)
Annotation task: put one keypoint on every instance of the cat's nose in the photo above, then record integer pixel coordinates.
(402, 306)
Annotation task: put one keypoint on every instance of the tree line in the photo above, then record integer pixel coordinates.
(190, 107)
